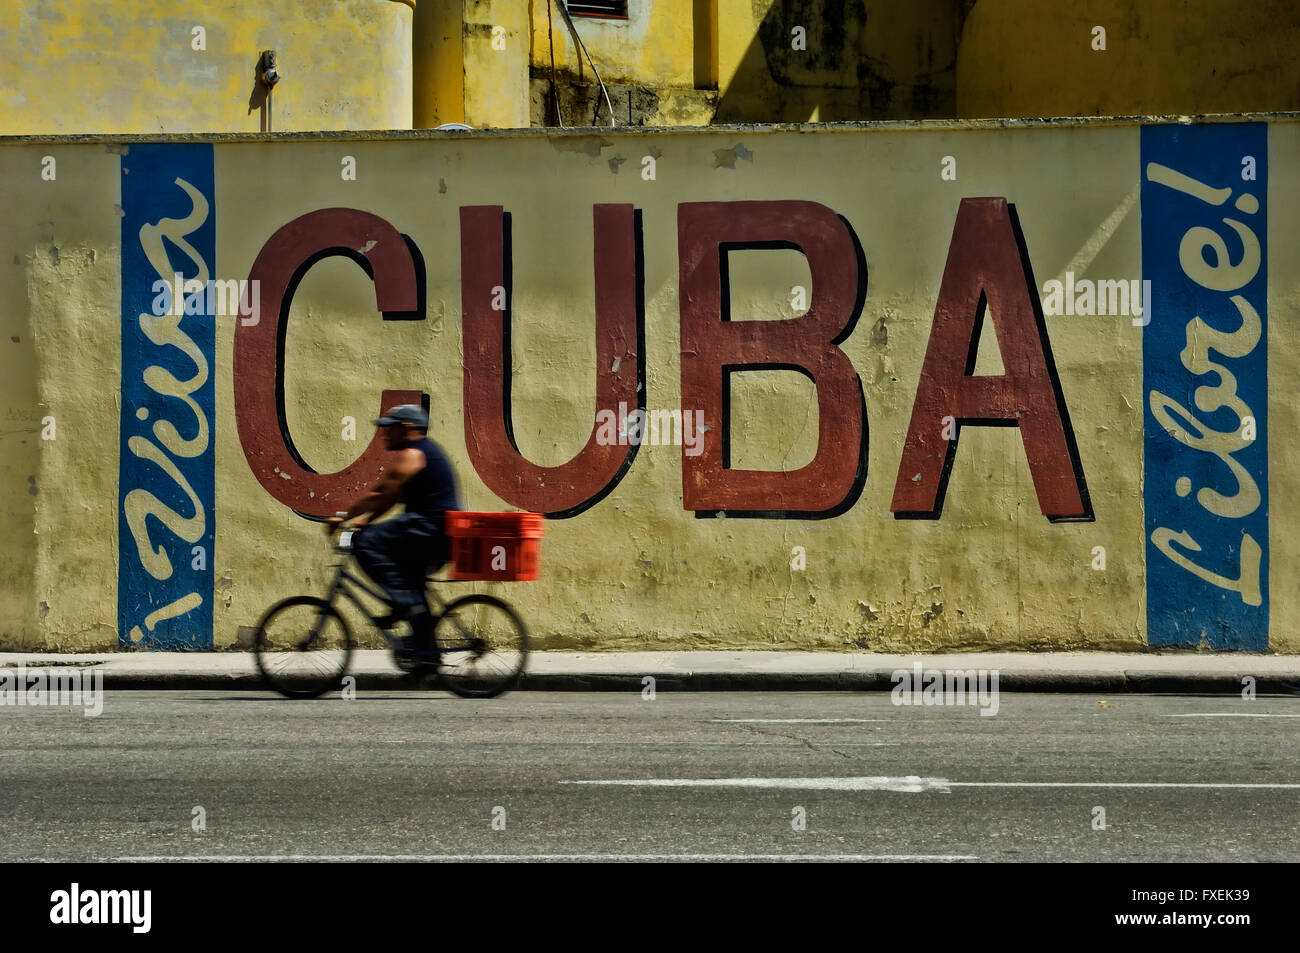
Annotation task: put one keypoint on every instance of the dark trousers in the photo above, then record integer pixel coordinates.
(398, 554)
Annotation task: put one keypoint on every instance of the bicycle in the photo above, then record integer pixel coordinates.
(480, 644)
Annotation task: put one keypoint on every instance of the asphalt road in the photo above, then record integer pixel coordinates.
(423, 775)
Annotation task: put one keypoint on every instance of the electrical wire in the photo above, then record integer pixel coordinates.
(555, 88)
(564, 9)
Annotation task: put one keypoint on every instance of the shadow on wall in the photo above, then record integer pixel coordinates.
(1129, 57)
(844, 60)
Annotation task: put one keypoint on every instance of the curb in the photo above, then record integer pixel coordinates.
(1074, 682)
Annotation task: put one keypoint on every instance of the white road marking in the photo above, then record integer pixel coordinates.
(796, 721)
(651, 744)
(910, 784)
(1115, 784)
(764, 744)
(1230, 714)
(353, 858)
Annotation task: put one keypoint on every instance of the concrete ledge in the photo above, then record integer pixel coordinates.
(1089, 672)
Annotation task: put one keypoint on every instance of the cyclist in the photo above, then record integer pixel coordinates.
(399, 553)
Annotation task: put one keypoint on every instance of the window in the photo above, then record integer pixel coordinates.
(598, 8)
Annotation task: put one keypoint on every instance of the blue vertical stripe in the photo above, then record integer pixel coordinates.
(1205, 384)
(166, 475)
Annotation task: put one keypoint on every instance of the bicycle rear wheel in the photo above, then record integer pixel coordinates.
(302, 647)
(483, 645)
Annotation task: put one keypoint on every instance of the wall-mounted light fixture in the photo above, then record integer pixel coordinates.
(267, 74)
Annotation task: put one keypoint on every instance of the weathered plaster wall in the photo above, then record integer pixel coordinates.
(438, 64)
(109, 66)
(696, 62)
(471, 63)
(655, 45)
(634, 568)
(691, 62)
(850, 60)
(61, 380)
(659, 66)
(1161, 57)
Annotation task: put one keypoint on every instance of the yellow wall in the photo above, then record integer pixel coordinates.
(129, 66)
(939, 58)
(439, 65)
(1162, 57)
(659, 65)
(874, 60)
(110, 66)
(636, 570)
(471, 63)
(495, 46)
(60, 296)
(654, 46)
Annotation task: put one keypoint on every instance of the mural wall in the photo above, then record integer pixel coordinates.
(892, 389)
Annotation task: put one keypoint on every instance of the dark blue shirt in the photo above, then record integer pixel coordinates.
(432, 491)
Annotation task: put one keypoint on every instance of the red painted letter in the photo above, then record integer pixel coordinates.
(568, 489)
(714, 346)
(989, 265)
(259, 355)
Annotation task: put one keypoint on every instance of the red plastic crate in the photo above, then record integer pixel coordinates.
(501, 547)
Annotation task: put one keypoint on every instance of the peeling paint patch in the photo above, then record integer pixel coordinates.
(587, 145)
(45, 609)
(870, 611)
(880, 333)
(726, 158)
(615, 162)
(935, 610)
(31, 488)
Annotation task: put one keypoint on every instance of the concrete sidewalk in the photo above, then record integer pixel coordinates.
(736, 671)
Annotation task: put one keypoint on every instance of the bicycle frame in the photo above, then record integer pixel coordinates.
(346, 584)
(340, 586)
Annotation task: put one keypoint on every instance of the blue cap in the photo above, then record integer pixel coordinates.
(405, 414)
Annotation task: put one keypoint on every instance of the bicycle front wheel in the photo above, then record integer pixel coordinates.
(302, 647)
(483, 645)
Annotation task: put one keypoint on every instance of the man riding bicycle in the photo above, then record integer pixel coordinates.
(399, 553)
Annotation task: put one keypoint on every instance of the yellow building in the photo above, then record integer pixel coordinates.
(143, 66)
(75, 67)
